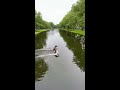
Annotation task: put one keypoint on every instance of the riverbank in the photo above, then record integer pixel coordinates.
(80, 32)
(40, 31)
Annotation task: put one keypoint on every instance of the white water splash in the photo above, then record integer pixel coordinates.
(43, 53)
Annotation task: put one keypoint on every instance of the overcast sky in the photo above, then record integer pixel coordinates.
(53, 10)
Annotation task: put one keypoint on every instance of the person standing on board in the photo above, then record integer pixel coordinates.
(55, 49)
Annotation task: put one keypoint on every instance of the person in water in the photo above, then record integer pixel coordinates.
(55, 49)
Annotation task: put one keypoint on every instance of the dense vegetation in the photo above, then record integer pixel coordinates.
(40, 23)
(73, 21)
(75, 18)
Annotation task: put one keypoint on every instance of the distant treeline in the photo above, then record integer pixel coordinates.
(40, 23)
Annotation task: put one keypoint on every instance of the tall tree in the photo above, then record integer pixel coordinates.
(75, 18)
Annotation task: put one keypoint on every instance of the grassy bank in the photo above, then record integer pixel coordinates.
(81, 32)
(39, 31)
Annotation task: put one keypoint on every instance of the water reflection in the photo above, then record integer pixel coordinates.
(82, 42)
(40, 65)
(75, 43)
(61, 73)
(40, 69)
(40, 40)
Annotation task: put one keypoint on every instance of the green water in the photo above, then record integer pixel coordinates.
(66, 72)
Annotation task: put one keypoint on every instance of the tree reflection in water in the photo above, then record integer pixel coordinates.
(76, 43)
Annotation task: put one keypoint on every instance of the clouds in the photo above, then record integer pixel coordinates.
(54, 10)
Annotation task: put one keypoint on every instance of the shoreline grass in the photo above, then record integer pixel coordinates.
(80, 32)
(40, 31)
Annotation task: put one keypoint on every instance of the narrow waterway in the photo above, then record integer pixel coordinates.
(66, 72)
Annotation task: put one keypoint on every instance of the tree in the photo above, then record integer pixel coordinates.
(40, 23)
(51, 24)
(75, 18)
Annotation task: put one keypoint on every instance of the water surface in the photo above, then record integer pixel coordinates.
(66, 72)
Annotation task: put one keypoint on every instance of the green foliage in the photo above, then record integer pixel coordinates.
(75, 19)
(40, 23)
(56, 26)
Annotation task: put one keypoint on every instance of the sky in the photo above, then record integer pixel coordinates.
(54, 10)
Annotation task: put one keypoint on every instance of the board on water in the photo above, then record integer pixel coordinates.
(43, 53)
